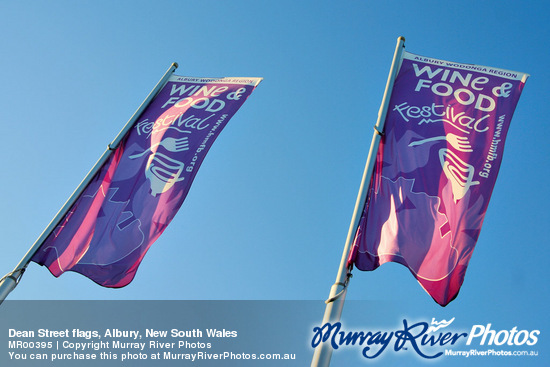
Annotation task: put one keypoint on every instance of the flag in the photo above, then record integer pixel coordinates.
(137, 192)
(435, 170)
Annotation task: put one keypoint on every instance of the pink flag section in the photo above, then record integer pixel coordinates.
(137, 192)
(435, 170)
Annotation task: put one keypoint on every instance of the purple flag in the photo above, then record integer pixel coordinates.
(137, 192)
(435, 170)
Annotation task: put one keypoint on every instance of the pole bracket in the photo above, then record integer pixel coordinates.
(381, 133)
(16, 278)
(344, 285)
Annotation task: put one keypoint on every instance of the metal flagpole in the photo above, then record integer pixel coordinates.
(10, 281)
(335, 302)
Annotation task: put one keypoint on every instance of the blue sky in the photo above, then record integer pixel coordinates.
(269, 210)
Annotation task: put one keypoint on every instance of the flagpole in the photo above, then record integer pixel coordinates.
(335, 302)
(10, 281)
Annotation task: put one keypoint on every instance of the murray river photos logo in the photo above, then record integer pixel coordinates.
(430, 340)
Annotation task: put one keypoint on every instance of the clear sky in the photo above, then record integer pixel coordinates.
(269, 210)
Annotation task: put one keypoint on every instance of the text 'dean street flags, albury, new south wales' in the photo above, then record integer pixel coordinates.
(435, 170)
(137, 192)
